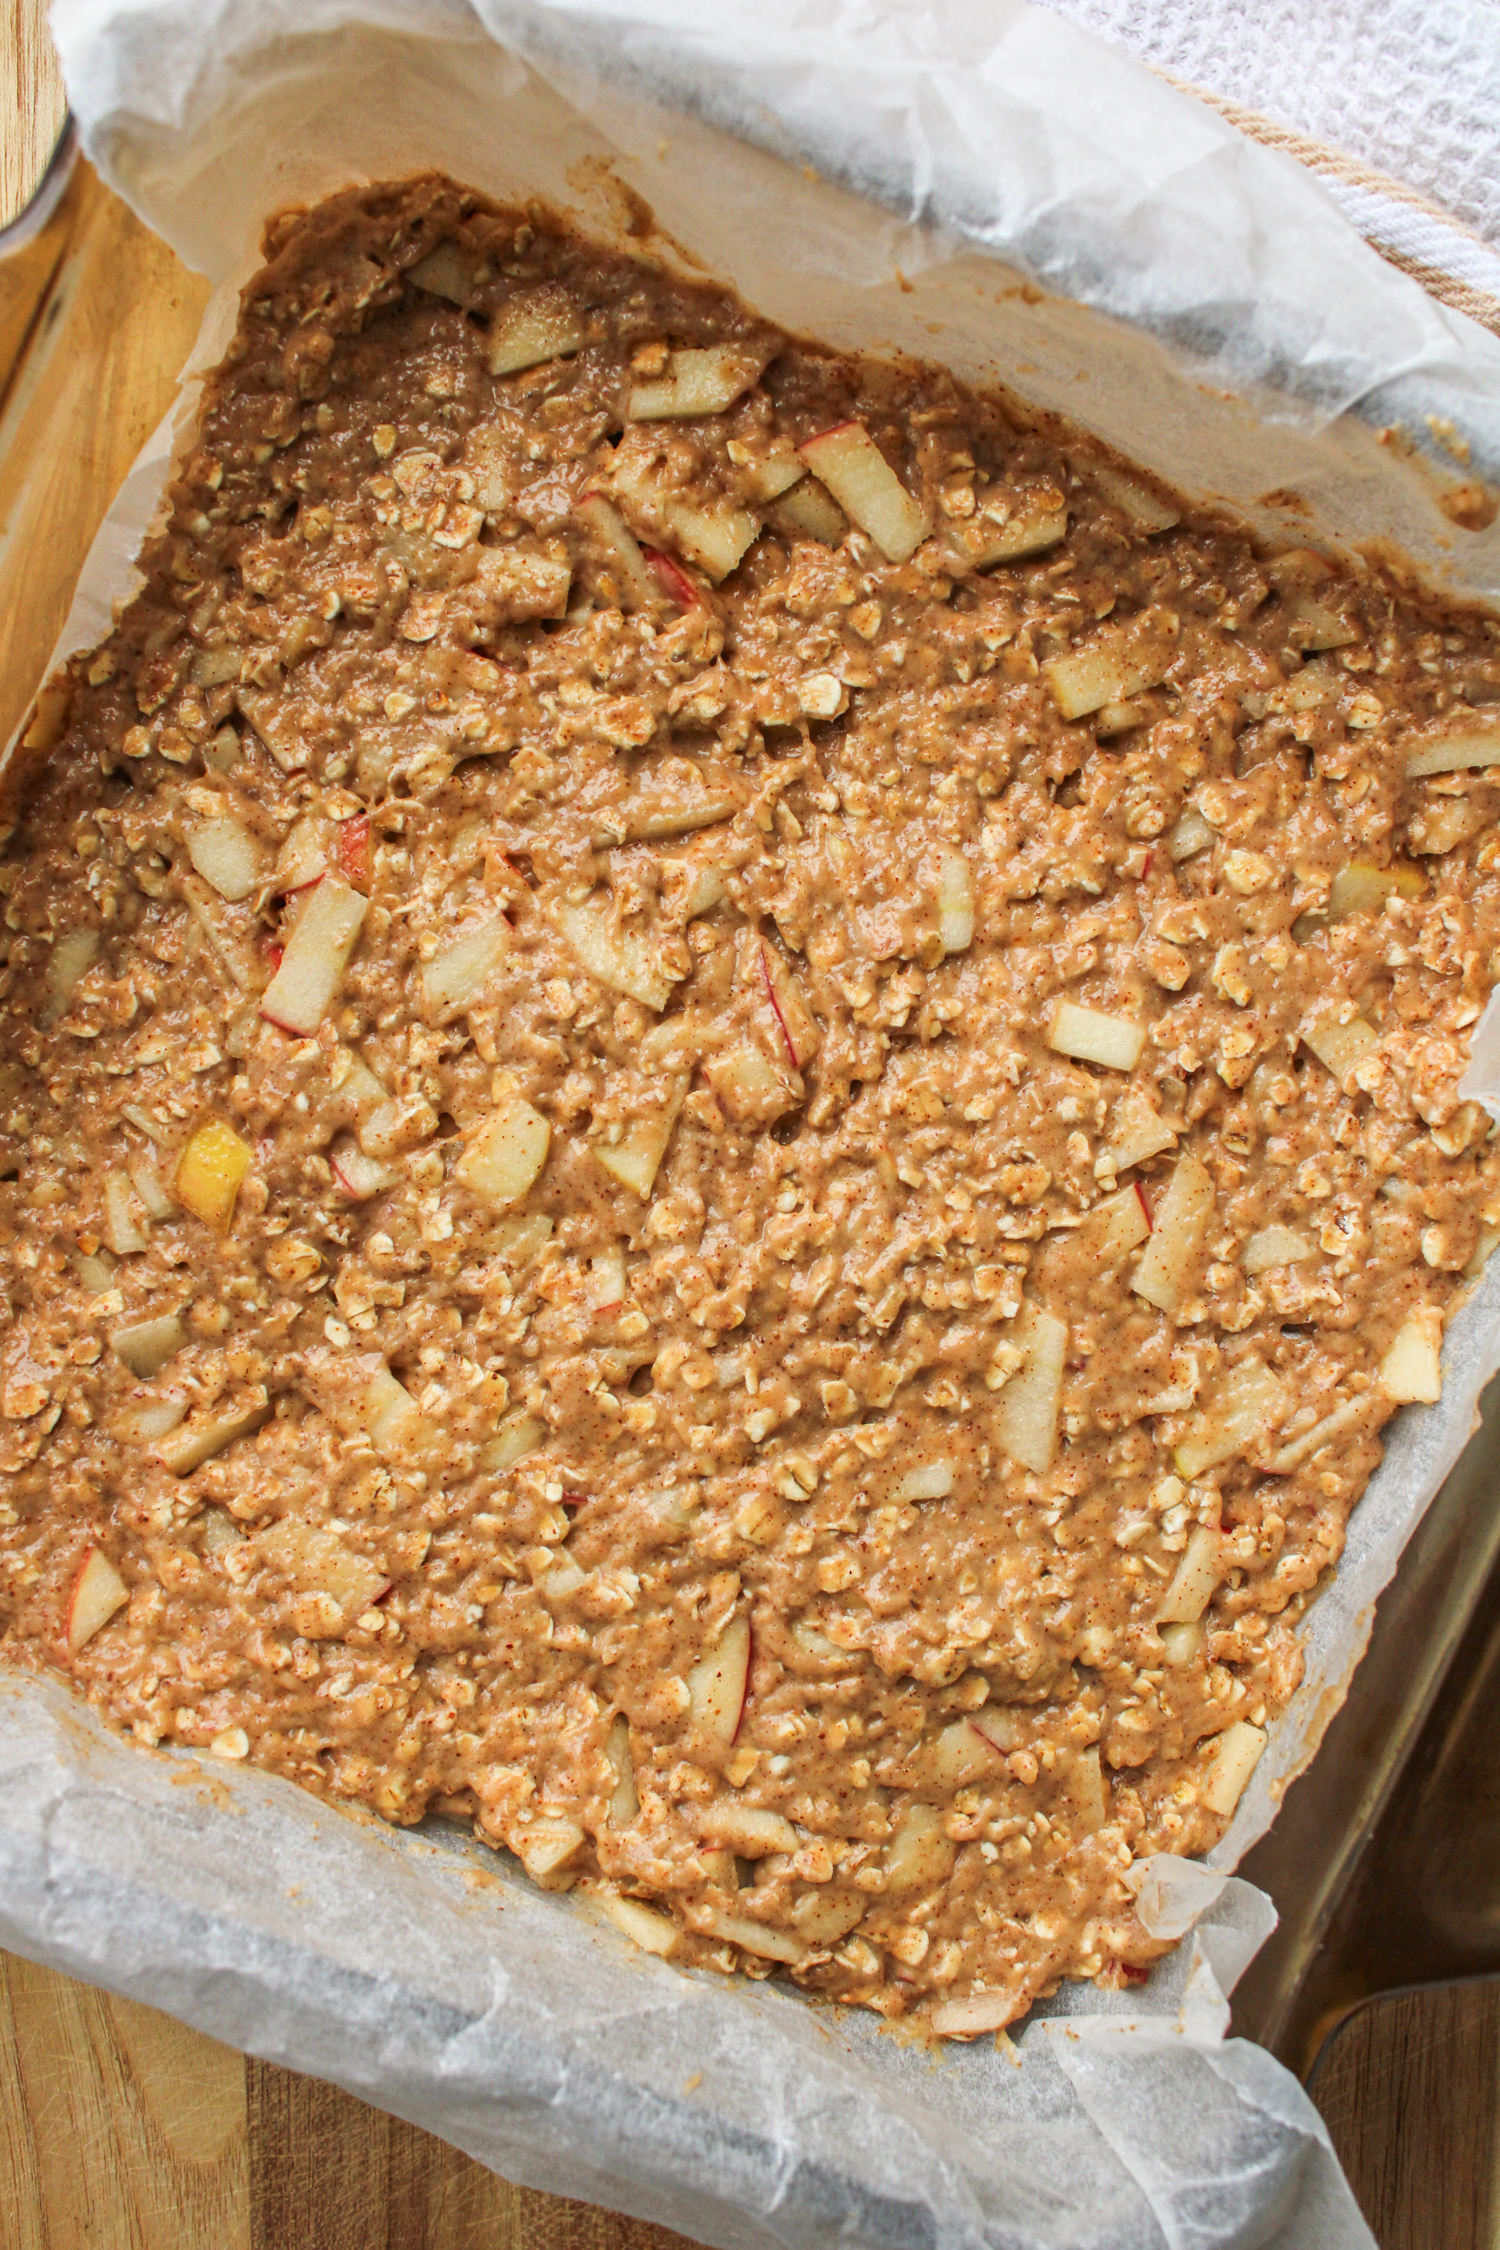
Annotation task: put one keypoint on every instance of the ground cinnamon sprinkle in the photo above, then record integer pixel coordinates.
(730, 1104)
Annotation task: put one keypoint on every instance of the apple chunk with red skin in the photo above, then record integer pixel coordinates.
(98, 1592)
(719, 1683)
(312, 968)
(796, 1022)
(849, 462)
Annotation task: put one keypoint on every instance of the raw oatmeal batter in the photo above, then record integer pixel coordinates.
(730, 1104)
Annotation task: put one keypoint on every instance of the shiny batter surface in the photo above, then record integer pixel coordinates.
(743, 1209)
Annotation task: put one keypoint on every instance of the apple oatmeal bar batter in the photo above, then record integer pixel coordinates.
(730, 1103)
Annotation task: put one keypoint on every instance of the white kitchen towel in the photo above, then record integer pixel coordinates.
(1395, 106)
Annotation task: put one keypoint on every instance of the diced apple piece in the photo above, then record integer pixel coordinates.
(1089, 1035)
(123, 1232)
(606, 1283)
(1360, 888)
(73, 955)
(193, 1442)
(1312, 624)
(1455, 750)
(1136, 1132)
(955, 903)
(518, 1435)
(756, 1937)
(352, 850)
(1167, 1262)
(230, 930)
(1118, 718)
(1084, 1792)
(1190, 835)
(929, 1480)
(629, 964)
(808, 512)
(713, 538)
(1196, 1579)
(801, 1034)
(1411, 1371)
(919, 1856)
(1182, 1644)
(637, 584)
(97, 1272)
(354, 1084)
(397, 1426)
(696, 382)
(359, 1176)
(749, 1085)
(210, 1171)
(652, 1932)
(505, 1153)
(672, 578)
(771, 477)
(312, 968)
(518, 1239)
(647, 818)
(318, 1562)
(1340, 1046)
(1026, 1417)
(151, 1418)
(960, 1754)
(1235, 1759)
(1009, 526)
(825, 1915)
(1275, 1246)
(748, 1830)
(304, 858)
(147, 1345)
(1145, 509)
(867, 488)
(1117, 664)
(635, 1159)
(980, 2012)
(541, 324)
(545, 1845)
(719, 1682)
(624, 1801)
(228, 856)
(1000, 1727)
(98, 1592)
(447, 272)
(1247, 1405)
(1114, 1228)
(148, 1185)
(457, 974)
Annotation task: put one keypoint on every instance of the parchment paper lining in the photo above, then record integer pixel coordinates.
(418, 1970)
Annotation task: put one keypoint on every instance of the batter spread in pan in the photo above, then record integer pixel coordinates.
(730, 1102)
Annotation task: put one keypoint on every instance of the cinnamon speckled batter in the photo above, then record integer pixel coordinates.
(723, 1156)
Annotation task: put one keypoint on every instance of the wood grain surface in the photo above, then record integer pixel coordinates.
(32, 101)
(1409, 2087)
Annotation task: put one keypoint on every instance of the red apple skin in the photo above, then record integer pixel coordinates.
(275, 954)
(673, 577)
(786, 1037)
(1140, 1194)
(354, 852)
(745, 1698)
(831, 431)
